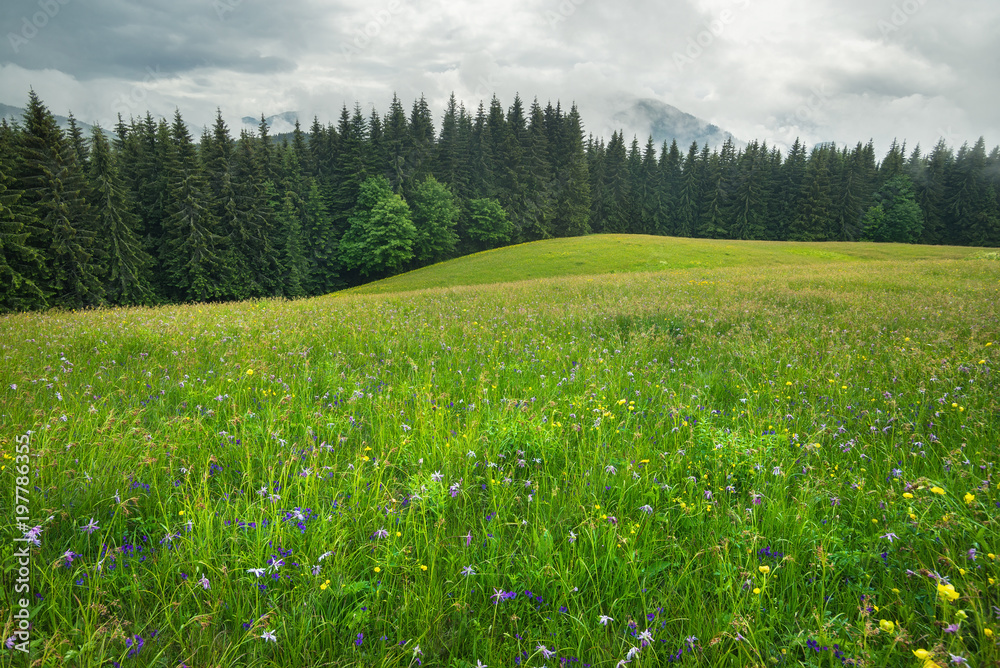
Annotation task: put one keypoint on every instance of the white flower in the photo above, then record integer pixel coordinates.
(268, 635)
(259, 572)
(604, 619)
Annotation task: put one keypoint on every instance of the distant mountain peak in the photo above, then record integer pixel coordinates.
(276, 124)
(648, 116)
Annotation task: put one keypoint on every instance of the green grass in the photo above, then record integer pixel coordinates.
(624, 253)
(746, 455)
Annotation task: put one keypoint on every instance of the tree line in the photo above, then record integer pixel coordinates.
(144, 214)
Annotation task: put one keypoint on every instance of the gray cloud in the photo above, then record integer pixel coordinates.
(825, 70)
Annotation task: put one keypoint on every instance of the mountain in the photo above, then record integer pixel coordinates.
(276, 125)
(646, 116)
(12, 113)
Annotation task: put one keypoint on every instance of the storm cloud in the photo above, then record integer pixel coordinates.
(826, 70)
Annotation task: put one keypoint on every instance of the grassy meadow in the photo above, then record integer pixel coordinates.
(785, 460)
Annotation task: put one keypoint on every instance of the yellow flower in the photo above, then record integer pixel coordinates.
(378, 570)
(947, 591)
(921, 654)
(907, 495)
(886, 626)
(764, 569)
(323, 586)
(249, 372)
(991, 555)
(756, 590)
(398, 534)
(961, 571)
(937, 490)
(181, 512)
(961, 615)
(423, 567)
(988, 632)
(969, 498)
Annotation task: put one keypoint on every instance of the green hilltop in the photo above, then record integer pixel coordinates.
(629, 253)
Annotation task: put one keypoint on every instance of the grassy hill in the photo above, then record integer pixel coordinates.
(625, 253)
(770, 454)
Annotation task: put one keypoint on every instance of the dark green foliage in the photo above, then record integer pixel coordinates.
(54, 188)
(896, 216)
(488, 225)
(147, 215)
(20, 264)
(128, 264)
(380, 234)
(435, 214)
(193, 252)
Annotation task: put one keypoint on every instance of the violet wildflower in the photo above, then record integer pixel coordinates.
(268, 636)
(90, 527)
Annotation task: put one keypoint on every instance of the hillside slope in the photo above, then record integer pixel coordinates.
(621, 253)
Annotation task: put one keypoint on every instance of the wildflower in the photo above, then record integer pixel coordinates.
(204, 582)
(604, 619)
(921, 654)
(467, 571)
(648, 509)
(90, 527)
(480, 664)
(497, 595)
(646, 636)
(947, 591)
(937, 490)
(756, 590)
(886, 625)
(381, 533)
(951, 628)
(259, 572)
(546, 652)
(765, 569)
(437, 476)
(378, 570)
(890, 537)
(969, 498)
(268, 636)
(961, 661)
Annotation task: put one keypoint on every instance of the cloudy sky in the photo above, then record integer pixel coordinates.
(824, 70)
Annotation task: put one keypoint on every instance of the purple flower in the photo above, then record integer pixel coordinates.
(90, 527)
(951, 628)
(467, 571)
(381, 533)
(648, 509)
(360, 639)
(546, 652)
(204, 582)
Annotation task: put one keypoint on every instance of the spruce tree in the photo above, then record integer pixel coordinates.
(572, 207)
(193, 255)
(20, 264)
(53, 185)
(129, 266)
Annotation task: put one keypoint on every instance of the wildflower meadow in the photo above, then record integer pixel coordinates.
(763, 465)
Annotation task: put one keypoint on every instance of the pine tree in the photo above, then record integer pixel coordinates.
(253, 232)
(669, 179)
(689, 194)
(20, 264)
(53, 185)
(896, 216)
(294, 259)
(128, 277)
(192, 257)
(572, 208)
(815, 212)
(616, 188)
(539, 186)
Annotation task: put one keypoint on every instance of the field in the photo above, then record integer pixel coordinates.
(781, 461)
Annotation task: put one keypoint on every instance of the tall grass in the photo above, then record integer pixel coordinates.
(737, 466)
